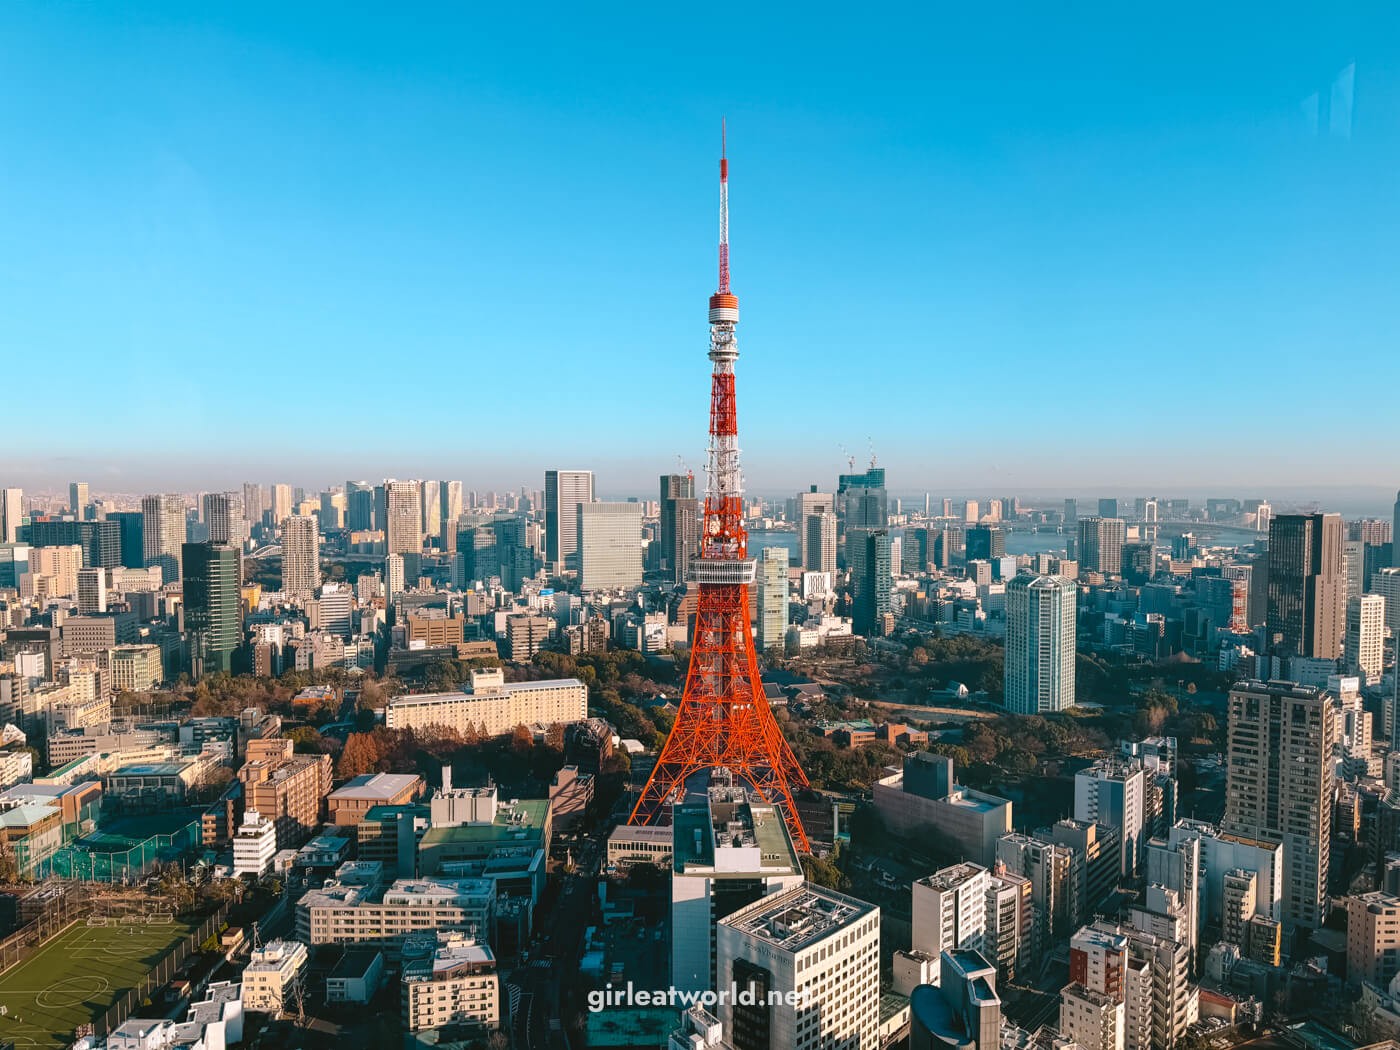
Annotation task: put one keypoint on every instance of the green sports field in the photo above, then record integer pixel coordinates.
(75, 977)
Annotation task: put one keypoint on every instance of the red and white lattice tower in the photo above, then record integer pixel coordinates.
(724, 722)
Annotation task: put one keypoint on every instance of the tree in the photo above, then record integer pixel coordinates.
(824, 872)
(361, 755)
(522, 741)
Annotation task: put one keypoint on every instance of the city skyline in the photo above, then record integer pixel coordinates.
(982, 219)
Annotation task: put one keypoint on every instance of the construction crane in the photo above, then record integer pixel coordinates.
(850, 459)
(872, 451)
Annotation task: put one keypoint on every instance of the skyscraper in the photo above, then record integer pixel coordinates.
(1386, 583)
(11, 514)
(1071, 512)
(564, 490)
(1101, 544)
(213, 612)
(1395, 534)
(301, 556)
(449, 506)
(819, 534)
(984, 542)
(281, 502)
(402, 519)
(1364, 649)
(868, 551)
(1108, 508)
(359, 506)
(254, 503)
(1279, 784)
(395, 581)
(861, 499)
(1307, 586)
(429, 495)
(223, 514)
(609, 546)
(772, 597)
(163, 533)
(78, 498)
(679, 527)
(1040, 641)
(804, 506)
(132, 543)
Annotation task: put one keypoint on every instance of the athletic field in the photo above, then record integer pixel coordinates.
(77, 976)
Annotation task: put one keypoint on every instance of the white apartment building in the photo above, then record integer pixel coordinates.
(492, 701)
(950, 910)
(1114, 793)
(254, 845)
(821, 946)
(1363, 648)
(359, 909)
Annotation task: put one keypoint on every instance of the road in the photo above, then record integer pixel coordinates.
(544, 994)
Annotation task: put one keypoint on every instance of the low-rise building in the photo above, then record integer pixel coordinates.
(271, 974)
(922, 801)
(348, 804)
(356, 908)
(356, 977)
(630, 844)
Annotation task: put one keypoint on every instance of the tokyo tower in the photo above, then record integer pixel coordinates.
(724, 721)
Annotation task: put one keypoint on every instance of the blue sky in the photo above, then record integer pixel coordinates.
(1063, 246)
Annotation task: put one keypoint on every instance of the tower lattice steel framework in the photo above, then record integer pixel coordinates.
(724, 720)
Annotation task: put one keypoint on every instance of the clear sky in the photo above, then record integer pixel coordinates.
(1055, 246)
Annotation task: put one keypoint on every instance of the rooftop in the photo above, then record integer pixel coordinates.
(952, 877)
(799, 917)
(354, 963)
(377, 786)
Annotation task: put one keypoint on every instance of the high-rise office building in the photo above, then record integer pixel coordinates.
(403, 520)
(100, 540)
(11, 514)
(92, 591)
(430, 508)
(819, 542)
(1364, 649)
(805, 938)
(772, 597)
(163, 533)
(861, 499)
(1354, 568)
(131, 538)
(1279, 784)
(1071, 512)
(254, 503)
(984, 543)
(679, 526)
(449, 507)
(213, 610)
(1108, 508)
(564, 490)
(281, 504)
(727, 852)
(1386, 583)
(1101, 544)
(223, 514)
(868, 552)
(359, 506)
(609, 546)
(1395, 534)
(804, 505)
(1307, 586)
(301, 556)
(78, 499)
(1040, 643)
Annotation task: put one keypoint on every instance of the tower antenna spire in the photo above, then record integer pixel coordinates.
(723, 208)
